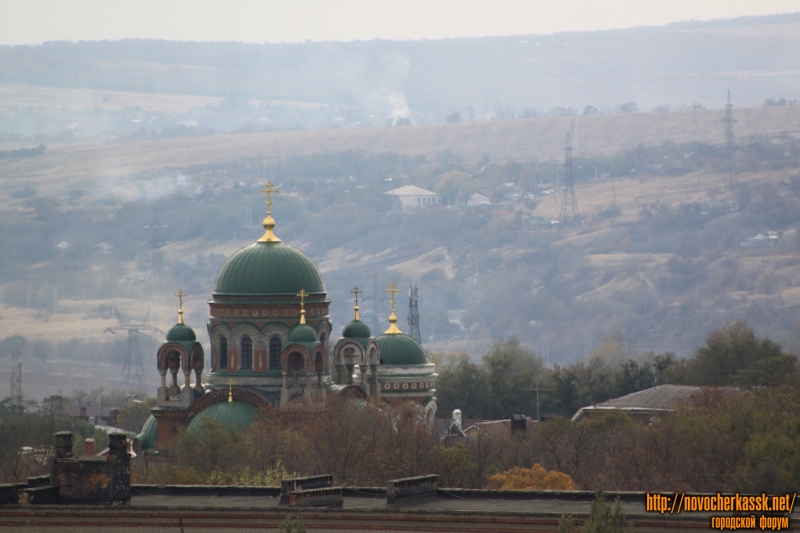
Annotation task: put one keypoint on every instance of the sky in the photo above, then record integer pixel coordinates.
(37, 21)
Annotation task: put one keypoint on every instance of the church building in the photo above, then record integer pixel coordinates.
(270, 330)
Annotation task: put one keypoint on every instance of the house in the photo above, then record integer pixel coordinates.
(413, 197)
(478, 199)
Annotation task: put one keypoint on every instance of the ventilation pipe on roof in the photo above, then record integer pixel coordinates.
(457, 417)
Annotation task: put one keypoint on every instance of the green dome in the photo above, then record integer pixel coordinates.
(236, 414)
(302, 333)
(356, 330)
(268, 268)
(401, 350)
(181, 332)
(148, 438)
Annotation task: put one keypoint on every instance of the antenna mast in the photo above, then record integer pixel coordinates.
(569, 198)
(730, 146)
(413, 314)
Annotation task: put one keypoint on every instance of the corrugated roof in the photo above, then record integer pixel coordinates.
(660, 397)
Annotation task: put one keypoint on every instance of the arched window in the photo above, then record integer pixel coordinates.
(322, 340)
(247, 352)
(223, 353)
(275, 346)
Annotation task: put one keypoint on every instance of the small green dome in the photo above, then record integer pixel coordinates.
(181, 333)
(356, 330)
(401, 350)
(148, 438)
(236, 414)
(302, 333)
(268, 268)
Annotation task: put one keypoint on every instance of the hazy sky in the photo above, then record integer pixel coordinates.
(35, 21)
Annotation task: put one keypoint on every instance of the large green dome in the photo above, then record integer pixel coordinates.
(401, 350)
(356, 330)
(235, 414)
(268, 268)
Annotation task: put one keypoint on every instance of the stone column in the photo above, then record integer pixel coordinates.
(285, 379)
(349, 374)
(310, 378)
(186, 374)
(363, 369)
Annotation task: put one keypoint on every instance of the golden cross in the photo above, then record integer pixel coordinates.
(302, 294)
(393, 330)
(180, 296)
(392, 289)
(356, 291)
(269, 190)
(230, 390)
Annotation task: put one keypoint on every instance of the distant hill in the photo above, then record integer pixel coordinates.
(755, 57)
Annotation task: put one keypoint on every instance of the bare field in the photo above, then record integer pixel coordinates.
(49, 98)
(523, 139)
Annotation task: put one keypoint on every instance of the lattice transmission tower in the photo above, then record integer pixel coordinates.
(413, 314)
(133, 374)
(569, 200)
(730, 141)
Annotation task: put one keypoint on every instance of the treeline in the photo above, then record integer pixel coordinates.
(512, 379)
(23, 152)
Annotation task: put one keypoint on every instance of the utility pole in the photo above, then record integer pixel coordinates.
(730, 146)
(569, 200)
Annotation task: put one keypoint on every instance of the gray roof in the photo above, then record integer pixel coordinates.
(660, 398)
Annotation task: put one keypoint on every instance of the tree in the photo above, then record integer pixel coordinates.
(464, 386)
(590, 110)
(14, 346)
(453, 186)
(455, 116)
(534, 478)
(628, 107)
(513, 372)
(733, 355)
(133, 416)
(602, 519)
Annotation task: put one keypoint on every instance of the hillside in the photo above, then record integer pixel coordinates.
(91, 164)
(657, 256)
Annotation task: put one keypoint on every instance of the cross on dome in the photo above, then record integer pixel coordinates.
(302, 294)
(269, 222)
(356, 291)
(393, 329)
(180, 296)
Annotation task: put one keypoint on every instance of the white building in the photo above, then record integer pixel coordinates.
(413, 197)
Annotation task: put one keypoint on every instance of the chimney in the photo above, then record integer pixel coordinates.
(83, 411)
(457, 417)
(519, 424)
(63, 444)
(88, 447)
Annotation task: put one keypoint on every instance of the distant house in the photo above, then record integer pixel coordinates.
(757, 241)
(413, 197)
(478, 199)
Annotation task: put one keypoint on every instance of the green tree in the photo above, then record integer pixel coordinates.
(464, 385)
(133, 416)
(14, 346)
(602, 519)
(455, 186)
(513, 372)
(733, 355)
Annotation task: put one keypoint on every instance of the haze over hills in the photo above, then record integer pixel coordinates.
(140, 132)
(374, 82)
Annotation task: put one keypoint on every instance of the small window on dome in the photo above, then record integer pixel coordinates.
(275, 346)
(247, 352)
(223, 353)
